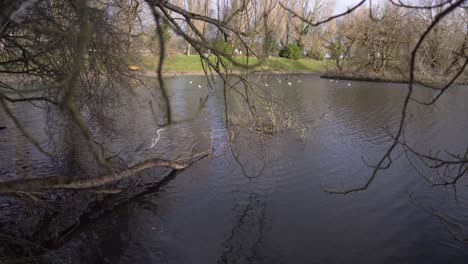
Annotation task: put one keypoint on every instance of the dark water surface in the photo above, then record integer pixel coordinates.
(213, 213)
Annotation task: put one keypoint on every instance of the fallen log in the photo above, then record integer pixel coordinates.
(80, 183)
(45, 241)
(107, 206)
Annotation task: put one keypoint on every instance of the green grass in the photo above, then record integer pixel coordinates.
(183, 63)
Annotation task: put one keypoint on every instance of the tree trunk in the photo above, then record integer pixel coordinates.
(79, 183)
(187, 49)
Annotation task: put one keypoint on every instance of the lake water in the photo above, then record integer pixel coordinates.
(214, 213)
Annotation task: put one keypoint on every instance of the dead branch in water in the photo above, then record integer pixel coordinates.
(83, 183)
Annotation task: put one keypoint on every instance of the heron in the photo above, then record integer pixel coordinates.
(153, 141)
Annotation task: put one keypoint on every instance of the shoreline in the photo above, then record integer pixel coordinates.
(201, 73)
(323, 75)
(346, 76)
(381, 79)
(362, 78)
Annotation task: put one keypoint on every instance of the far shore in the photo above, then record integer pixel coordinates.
(349, 76)
(150, 74)
(352, 76)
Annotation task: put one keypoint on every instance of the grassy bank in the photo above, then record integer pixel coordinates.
(183, 63)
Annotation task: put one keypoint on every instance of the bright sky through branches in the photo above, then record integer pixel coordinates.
(342, 5)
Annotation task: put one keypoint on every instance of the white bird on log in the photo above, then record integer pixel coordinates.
(155, 140)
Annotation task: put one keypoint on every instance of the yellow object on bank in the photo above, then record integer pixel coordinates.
(134, 67)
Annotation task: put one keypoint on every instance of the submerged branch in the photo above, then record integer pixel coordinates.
(80, 183)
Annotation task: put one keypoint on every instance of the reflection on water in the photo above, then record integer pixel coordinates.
(247, 235)
(212, 213)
